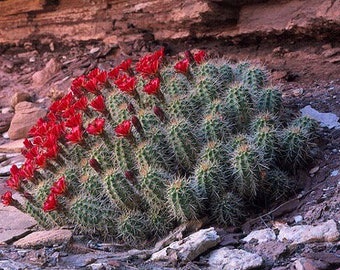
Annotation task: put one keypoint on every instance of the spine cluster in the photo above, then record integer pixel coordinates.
(133, 151)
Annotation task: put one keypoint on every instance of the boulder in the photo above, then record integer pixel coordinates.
(5, 121)
(20, 97)
(39, 78)
(26, 115)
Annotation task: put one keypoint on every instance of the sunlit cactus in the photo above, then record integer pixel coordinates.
(132, 152)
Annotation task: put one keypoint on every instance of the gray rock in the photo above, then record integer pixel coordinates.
(13, 265)
(44, 238)
(189, 248)
(235, 259)
(325, 232)
(10, 235)
(329, 120)
(261, 235)
(13, 219)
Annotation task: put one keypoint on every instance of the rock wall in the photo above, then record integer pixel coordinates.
(124, 22)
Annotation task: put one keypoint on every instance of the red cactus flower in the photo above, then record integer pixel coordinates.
(152, 88)
(96, 127)
(51, 203)
(28, 169)
(28, 144)
(52, 152)
(77, 86)
(200, 56)
(6, 198)
(182, 66)
(123, 129)
(125, 65)
(59, 187)
(13, 182)
(93, 73)
(126, 83)
(92, 86)
(113, 73)
(95, 165)
(98, 104)
(41, 160)
(81, 104)
(75, 136)
(74, 120)
(102, 77)
(149, 64)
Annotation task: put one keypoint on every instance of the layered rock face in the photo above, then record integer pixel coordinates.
(123, 22)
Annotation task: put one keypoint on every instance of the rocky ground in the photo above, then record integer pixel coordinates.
(301, 233)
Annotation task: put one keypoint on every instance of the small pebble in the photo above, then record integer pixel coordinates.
(298, 219)
(335, 173)
(314, 170)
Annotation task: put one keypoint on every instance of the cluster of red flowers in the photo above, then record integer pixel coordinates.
(64, 122)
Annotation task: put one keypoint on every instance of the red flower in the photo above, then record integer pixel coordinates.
(98, 104)
(126, 83)
(6, 199)
(149, 64)
(200, 56)
(13, 182)
(28, 169)
(96, 127)
(81, 104)
(182, 66)
(76, 86)
(123, 129)
(41, 160)
(75, 136)
(59, 187)
(92, 86)
(113, 73)
(102, 77)
(93, 73)
(152, 88)
(125, 65)
(74, 120)
(28, 144)
(51, 203)
(52, 152)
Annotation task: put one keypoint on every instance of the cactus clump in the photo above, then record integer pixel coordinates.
(131, 152)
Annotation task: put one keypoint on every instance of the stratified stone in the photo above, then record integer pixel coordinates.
(11, 235)
(12, 147)
(41, 77)
(326, 231)
(236, 259)
(5, 121)
(20, 97)
(190, 247)
(44, 239)
(261, 235)
(25, 117)
(13, 219)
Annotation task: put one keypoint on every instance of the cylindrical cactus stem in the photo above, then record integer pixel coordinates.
(40, 216)
(266, 141)
(246, 169)
(94, 216)
(103, 154)
(178, 85)
(238, 107)
(215, 152)
(178, 107)
(227, 209)
(214, 128)
(184, 200)
(254, 78)
(208, 177)
(306, 123)
(134, 227)
(295, 144)
(278, 185)
(184, 143)
(121, 191)
(226, 76)
(93, 185)
(160, 221)
(114, 101)
(269, 100)
(154, 184)
(240, 69)
(124, 155)
(207, 69)
(263, 119)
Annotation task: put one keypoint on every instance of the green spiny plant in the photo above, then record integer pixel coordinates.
(131, 152)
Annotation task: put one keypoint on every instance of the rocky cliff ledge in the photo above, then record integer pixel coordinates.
(125, 22)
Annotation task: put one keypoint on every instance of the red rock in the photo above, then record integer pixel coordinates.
(26, 115)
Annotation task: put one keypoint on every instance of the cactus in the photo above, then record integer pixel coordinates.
(132, 152)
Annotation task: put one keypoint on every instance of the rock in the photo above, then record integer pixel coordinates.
(329, 120)
(26, 115)
(261, 236)
(334, 173)
(236, 259)
(298, 219)
(12, 265)
(39, 78)
(326, 231)
(314, 170)
(44, 239)
(5, 170)
(13, 219)
(5, 121)
(12, 147)
(308, 264)
(270, 251)
(190, 247)
(19, 97)
(9, 236)
(7, 110)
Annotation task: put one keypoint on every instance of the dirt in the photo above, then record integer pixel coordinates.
(306, 70)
